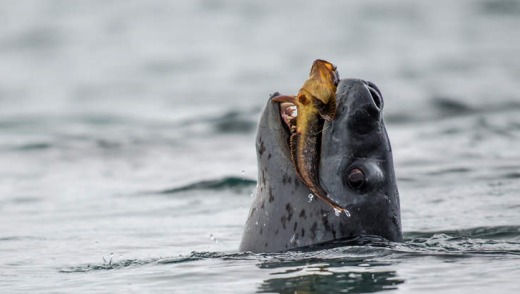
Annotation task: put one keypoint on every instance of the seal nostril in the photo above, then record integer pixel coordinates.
(378, 101)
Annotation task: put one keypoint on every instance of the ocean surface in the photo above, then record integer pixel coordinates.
(127, 158)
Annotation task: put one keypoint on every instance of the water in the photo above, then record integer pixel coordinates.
(127, 142)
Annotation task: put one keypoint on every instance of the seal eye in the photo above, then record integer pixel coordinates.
(356, 178)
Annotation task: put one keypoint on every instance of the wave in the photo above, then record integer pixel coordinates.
(106, 266)
(228, 183)
(127, 263)
(366, 251)
(446, 108)
(495, 232)
(235, 122)
(242, 121)
(498, 240)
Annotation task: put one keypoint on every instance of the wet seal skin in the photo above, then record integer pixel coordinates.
(305, 115)
(355, 168)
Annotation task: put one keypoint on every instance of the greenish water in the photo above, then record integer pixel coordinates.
(127, 156)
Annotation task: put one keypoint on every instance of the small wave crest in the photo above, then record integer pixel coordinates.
(106, 266)
(441, 107)
(501, 240)
(495, 232)
(236, 184)
(235, 122)
(118, 265)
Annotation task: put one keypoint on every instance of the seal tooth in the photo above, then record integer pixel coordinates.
(289, 112)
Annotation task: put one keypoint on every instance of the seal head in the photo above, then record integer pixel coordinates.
(356, 168)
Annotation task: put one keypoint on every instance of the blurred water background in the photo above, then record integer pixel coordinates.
(127, 157)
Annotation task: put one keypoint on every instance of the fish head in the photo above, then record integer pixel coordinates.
(322, 82)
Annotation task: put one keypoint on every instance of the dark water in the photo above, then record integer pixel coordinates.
(127, 154)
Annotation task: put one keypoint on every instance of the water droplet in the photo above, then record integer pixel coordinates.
(337, 211)
(256, 223)
(311, 197)
(109, 261)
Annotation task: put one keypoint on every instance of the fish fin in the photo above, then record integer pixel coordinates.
(327, 111)
(284, 98)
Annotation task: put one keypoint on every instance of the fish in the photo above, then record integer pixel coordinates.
(305, 115)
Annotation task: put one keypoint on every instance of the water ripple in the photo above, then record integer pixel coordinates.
(106, 266)
(365, 251)
(494, 232)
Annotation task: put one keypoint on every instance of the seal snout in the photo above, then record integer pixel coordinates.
(359, 94)
(361, 105)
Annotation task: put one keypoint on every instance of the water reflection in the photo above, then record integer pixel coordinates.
(355, 266)
(325, 281)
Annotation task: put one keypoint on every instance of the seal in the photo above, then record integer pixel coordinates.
(355, 167)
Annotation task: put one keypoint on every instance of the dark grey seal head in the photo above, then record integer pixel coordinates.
(356, 169)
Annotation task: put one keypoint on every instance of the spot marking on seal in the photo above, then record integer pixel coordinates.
(261, 148)
(303, 214)
(313, 230)
(271, 196)
(289, 210)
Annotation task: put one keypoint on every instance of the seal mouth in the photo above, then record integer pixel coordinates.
(289, 112)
